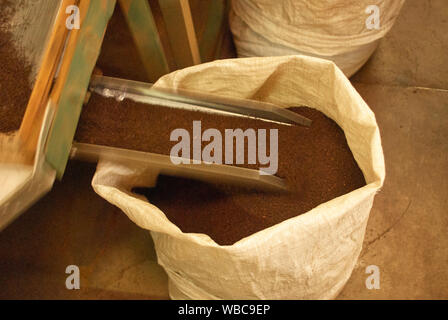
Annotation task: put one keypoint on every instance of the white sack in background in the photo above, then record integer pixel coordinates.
(310, 256)
(330, 29)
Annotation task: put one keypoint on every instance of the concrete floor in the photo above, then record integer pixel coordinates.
(406, 85)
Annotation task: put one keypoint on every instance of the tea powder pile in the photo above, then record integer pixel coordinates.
(315, 162)
(15, 71)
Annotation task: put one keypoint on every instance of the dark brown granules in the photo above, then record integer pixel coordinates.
(316, 162)
(14, 75)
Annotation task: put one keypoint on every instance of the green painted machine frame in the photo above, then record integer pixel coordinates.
(76, 84)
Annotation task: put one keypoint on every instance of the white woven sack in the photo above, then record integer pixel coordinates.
(310, 256)
(330, 29)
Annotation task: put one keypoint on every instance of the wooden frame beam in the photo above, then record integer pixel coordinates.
(146, 37)
(181, 33)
